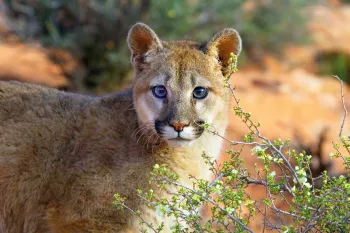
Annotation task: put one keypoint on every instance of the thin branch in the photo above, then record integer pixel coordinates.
(138, 215)
(258, 134)
(344, 107)
(264, 183)
(208, 200)
(217, 179)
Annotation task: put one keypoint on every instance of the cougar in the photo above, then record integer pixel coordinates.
(63, 156)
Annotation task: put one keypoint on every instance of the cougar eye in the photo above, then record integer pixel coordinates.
(200, 92)
(159, 92)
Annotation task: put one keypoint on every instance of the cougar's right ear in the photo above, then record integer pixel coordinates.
(141, 39)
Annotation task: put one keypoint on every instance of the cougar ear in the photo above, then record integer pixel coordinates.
(224, 43)
(141, 39)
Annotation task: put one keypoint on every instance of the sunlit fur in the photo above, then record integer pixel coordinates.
(63, 156)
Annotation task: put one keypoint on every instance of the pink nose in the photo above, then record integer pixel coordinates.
(178, 126)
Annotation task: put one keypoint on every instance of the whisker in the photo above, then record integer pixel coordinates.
(144, 131)
(154, 142)
(127, 108)
(146, 142)
(137, 128)
(140, 128)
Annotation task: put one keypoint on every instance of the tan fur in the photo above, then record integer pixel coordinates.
(63, 155)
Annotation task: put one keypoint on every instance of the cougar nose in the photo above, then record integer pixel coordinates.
(178, 126)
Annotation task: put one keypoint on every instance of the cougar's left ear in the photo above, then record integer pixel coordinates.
(141, 39)
(222, 44)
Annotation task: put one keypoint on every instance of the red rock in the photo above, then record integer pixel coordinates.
(29, 63)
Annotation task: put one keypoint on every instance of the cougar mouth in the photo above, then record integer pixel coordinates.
(179, 139)
(175, 136)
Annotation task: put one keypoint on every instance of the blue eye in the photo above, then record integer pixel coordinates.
(200, 92)
(159, 92)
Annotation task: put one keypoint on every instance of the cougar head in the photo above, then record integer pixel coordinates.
(179, 85)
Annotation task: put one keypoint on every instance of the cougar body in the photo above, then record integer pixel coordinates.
(63, 156)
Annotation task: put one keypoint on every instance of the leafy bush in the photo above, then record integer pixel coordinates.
(284, 174)
(95, 30)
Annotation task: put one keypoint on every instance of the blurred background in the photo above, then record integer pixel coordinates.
(291, 50)
(80, 45)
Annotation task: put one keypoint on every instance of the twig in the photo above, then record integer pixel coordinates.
(258, 134)
(217, 179)
(264, 183)
(208, 200)
(344, 107)
(132, 211)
